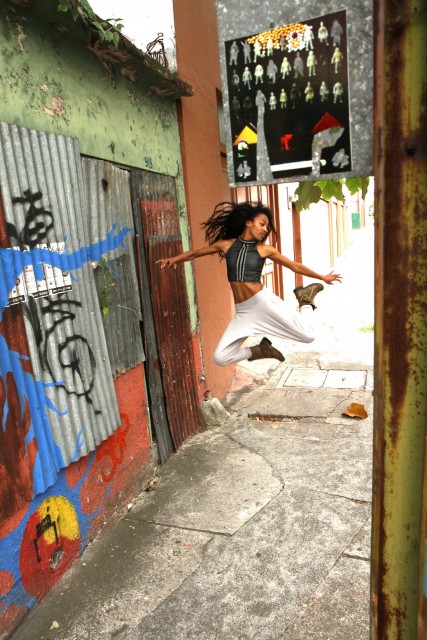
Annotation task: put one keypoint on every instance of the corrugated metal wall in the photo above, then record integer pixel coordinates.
(67, 391)
(109, 203)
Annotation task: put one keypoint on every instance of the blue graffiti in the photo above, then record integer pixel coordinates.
(12, 262)
(32, 392)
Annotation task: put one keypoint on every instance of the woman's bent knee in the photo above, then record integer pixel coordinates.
(220, 359)
(308, 338)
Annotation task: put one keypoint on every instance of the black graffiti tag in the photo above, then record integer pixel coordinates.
(61, 350)
(38, 221)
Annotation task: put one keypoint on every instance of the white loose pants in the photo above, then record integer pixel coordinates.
(264, 314)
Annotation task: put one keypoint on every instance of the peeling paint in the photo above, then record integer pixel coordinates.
(56, 109)
(21, 37)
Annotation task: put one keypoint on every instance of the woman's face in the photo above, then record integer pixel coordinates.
(257, 228)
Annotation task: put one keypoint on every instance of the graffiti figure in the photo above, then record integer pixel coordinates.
(298, 65)
(337, 59)
(246, 52)
(270, 46)
(311, 63)
(283, 99)
(338, 92)
(322, 34)
(259, 73)
(308, 37)
(323, 92)
(247, 77)
(257, 50)
(235, 81)
(282, 43)
(309, 93)
(285, 68)
(336, 33)
(234, 51)
(247, 105)
(41, 527)
(235, 105)
(294, 95)
(272, 102)
(271, 71)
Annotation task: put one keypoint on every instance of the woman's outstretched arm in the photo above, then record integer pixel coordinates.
(297, 267)
(207, 250)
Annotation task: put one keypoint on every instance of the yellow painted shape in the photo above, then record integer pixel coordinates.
(63, 513)
(246, 135)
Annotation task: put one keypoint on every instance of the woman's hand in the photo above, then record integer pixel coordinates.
(332, 277)
(166, 262)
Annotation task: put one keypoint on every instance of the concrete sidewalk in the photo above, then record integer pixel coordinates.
(258, 528)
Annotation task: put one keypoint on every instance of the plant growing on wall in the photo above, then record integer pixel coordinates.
(108, 287)
(108, 30)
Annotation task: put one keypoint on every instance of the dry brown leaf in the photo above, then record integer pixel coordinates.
(356, 410)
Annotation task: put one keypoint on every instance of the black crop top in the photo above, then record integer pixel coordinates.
(244, 264)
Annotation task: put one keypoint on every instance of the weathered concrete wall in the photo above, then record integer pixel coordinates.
(204, 172)
(49, 83)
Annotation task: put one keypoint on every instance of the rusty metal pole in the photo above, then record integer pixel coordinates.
(401, 319)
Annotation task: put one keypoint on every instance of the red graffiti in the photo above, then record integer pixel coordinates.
(50, 544)
(6, 582)
(110, 453)
(16, 457)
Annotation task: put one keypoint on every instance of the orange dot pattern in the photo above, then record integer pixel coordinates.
(293, 34)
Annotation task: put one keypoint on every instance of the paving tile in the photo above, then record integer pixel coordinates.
(313, 378)
(337, 379)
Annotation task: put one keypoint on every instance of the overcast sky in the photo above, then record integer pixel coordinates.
(142, 20)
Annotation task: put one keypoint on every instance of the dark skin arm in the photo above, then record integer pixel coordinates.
(266, 251)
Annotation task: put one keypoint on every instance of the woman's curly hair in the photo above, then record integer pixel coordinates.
(229, 220)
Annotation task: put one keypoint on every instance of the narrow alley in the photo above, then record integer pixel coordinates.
(258, 528)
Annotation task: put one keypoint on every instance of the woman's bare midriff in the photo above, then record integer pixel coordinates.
(242, 291)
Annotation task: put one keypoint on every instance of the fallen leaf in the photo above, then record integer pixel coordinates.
(54, 625)
(356, 410)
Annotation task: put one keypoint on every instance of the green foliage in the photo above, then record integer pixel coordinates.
(108, 30)
(309, 193)
(108, 288)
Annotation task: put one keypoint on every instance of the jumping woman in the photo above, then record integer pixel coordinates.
(237, 232)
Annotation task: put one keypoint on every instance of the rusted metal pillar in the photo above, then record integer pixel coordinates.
(401, 319)
(296, 228)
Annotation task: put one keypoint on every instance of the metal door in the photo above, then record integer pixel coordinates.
(159, 223)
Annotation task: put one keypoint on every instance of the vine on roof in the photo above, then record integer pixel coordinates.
(108, 30)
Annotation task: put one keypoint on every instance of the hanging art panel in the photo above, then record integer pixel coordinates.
(288, 99)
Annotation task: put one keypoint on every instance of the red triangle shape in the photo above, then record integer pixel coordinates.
(326, 122)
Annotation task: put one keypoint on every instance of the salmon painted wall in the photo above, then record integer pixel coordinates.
(204, 171)
(41, 541)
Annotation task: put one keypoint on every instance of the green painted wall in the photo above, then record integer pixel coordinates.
(51, 83)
